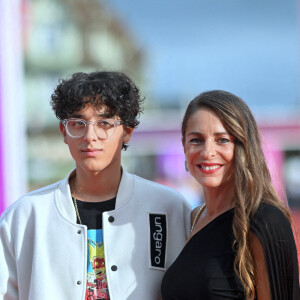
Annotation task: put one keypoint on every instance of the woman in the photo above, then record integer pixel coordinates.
(241, 244)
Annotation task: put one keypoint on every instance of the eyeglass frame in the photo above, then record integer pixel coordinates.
(86, 123)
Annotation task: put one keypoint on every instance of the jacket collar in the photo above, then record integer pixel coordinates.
(125, 190)
(64, 201)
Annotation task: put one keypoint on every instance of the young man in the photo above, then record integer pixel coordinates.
(100, 233)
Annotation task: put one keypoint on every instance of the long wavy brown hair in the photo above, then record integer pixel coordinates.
(252, 180)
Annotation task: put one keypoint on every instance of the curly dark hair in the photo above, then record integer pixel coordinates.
(114, 90)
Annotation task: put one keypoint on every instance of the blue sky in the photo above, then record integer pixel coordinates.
(250, 48)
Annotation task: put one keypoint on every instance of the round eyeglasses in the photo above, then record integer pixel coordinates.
(104, 128)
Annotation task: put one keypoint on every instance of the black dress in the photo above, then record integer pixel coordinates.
(204, 269)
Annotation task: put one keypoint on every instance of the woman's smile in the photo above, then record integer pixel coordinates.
(209, 168)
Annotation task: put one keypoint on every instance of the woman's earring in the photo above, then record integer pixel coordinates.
(186, 166)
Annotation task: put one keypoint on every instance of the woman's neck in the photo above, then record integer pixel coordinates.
(218, 200)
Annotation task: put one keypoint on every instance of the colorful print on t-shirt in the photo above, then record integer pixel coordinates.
(96, 287)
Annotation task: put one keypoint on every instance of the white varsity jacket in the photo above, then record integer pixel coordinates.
(43, 252)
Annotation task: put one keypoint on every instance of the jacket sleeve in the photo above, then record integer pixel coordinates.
(8, 273)
(276, 237)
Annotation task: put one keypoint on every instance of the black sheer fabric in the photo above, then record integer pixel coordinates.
(204, 269)
(276, 237)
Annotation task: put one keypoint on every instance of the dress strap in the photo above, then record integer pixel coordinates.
(199, 213)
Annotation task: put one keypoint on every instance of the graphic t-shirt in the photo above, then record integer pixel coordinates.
(91, 215)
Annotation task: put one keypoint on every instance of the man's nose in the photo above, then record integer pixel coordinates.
(90, 133)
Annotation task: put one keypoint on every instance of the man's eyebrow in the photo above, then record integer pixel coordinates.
(100, 115)
(76, 115)
(105, 115)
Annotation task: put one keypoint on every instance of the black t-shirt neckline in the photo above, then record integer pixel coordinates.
(91, 212)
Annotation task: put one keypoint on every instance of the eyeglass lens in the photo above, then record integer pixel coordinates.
(103, 128)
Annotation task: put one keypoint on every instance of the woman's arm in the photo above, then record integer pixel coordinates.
(260, 270)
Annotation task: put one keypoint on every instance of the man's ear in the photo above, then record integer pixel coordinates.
(63, 132)
(128, 131)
